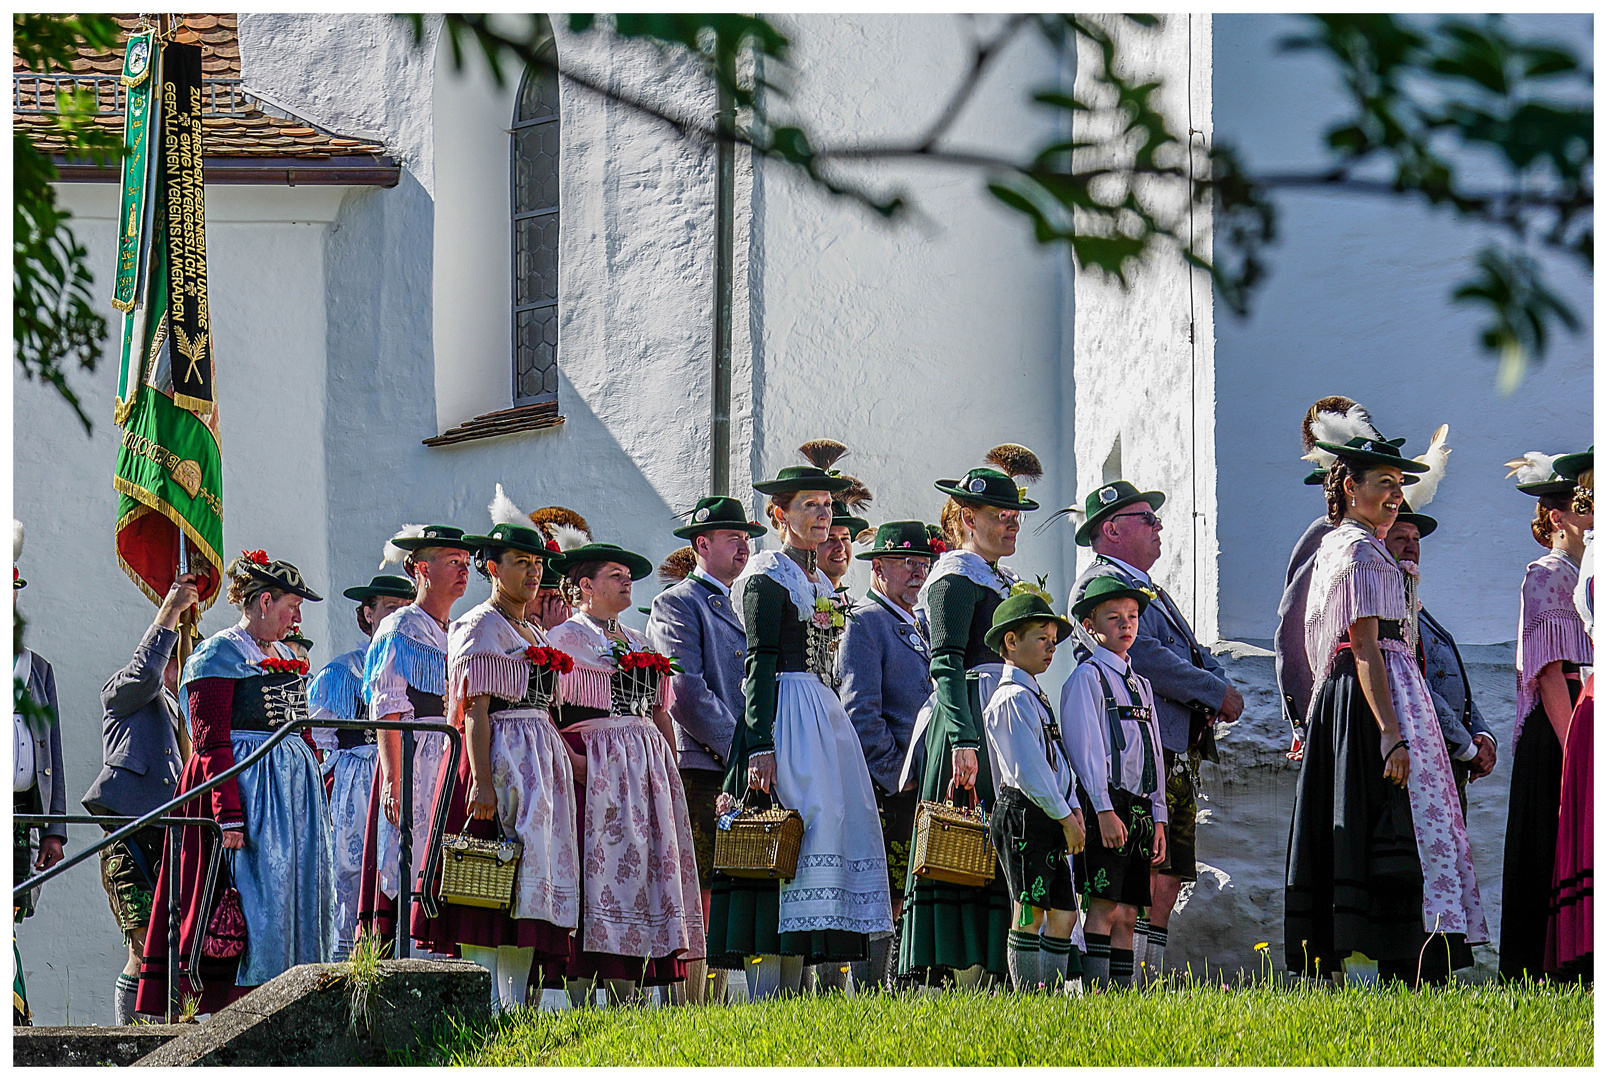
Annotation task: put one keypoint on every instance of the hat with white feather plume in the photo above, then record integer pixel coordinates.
(564, 530)
(1428, 484)
(510, 528)
(1536, 474)
(1335, 420)
(415, 537)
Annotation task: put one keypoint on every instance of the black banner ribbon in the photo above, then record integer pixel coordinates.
(181, 192)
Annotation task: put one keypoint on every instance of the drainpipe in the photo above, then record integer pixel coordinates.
(724, 219)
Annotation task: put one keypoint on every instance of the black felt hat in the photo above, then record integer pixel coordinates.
(382, 585)
(434, 536)
(901, 538)
(280, 575)
(595, 552)
(1107, 500)
(718, 512)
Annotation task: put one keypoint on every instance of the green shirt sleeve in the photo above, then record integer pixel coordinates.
(951, 602)
(764, 604)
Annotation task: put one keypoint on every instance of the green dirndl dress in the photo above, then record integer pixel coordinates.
(947, 927)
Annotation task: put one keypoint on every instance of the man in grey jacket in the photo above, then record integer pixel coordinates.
(1191, 691)
(883, 660)
(1468, 738)
(697, 622)
(144, 747)
(38, 783)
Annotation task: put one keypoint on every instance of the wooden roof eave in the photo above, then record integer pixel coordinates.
(361, 170)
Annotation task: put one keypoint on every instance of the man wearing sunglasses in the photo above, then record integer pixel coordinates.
(1192, 693)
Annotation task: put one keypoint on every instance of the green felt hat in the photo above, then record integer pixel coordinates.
(989, 487)
(1107, 587)
(1377, 452)
(1424, 523)
(595, 552)
(296, 637)
(1569, 466)
(1018, 609)
(382, 585)
(802, 478)
(518, 537)
(1107, 500)
(434, 536)
(719, 512)
(843, 516)
(1315, 477)
(899, 538)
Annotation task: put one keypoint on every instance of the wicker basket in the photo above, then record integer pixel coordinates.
(759, 843)
(952, 845)
(479, 873)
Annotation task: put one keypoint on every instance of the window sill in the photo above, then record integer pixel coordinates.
(506, 422)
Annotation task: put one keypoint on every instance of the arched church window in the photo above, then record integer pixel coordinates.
(535, 233)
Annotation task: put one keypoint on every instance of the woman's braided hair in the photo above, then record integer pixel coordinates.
(1585, 492)
(1333, 485)
(245, 587)
(1541, 526)
(949, 520)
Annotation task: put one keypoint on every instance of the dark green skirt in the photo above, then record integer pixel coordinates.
(743, 916)
(946, 927)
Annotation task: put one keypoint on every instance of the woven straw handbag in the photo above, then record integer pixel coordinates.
(952, 844)
(479, 873)
(759, 843)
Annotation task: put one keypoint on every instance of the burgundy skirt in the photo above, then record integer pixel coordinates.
(457, 924)
(648, 971)
(1570, 943)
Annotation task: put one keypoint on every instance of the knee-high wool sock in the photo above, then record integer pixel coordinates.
(513, 974)
(764, 977)
(1141, 930)
(1096, 968)
(791, 975)
(1057, 953)
(1121, 968)
(1024, 958)
(123, 998)
(1155, 953)
(486, 958)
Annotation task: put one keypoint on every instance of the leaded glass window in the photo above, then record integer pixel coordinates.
(535, 235)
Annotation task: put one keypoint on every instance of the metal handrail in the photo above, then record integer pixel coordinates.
(213, 865)
(40, 97)
(404, 892)
(407, 727)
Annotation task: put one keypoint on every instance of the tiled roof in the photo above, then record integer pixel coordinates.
(235, 124)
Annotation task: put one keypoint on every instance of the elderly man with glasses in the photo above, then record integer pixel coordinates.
(1191, 691)
(883, 662)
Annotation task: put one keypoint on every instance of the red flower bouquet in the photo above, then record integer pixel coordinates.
(279, 664)
(634, 687)
(546, 659)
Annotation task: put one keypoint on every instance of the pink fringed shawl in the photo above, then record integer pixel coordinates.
(1354, 577)
(1549, 627)
(485, 655)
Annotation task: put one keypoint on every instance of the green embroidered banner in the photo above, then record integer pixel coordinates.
(169, 475)
(140, 129)
(137, 81)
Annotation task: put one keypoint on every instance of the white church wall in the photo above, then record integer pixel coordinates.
(265, 279)
(1358, 303)
(1146, 397)
(922, 342)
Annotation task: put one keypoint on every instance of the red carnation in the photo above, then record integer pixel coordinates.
(259, 557)
(938, 546)
(280, 664)
(552, 545)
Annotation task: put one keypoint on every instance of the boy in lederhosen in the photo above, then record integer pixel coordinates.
(1036, 828)
(1115, 749)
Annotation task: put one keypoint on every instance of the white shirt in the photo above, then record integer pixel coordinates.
(387, 690)
(712, 582)
(1015, 721)
(23, 774)
(1086, 732)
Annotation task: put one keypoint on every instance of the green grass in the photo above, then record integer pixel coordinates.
(1198, 1025)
